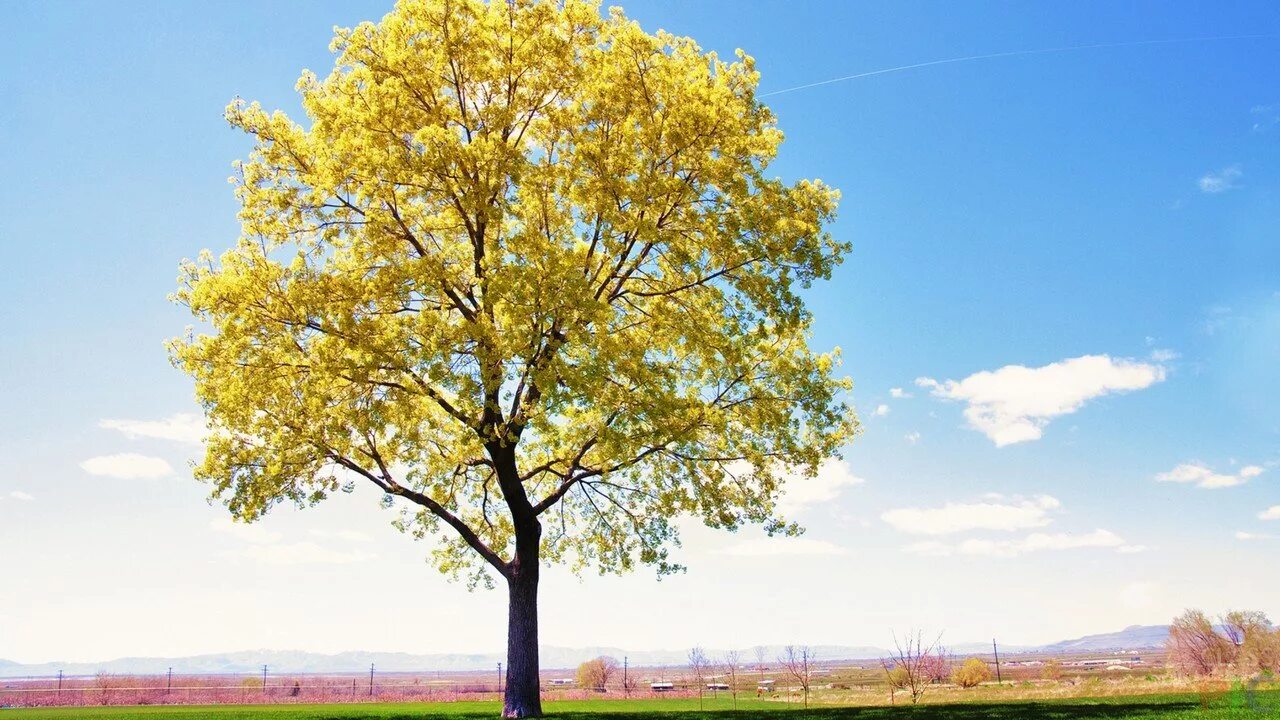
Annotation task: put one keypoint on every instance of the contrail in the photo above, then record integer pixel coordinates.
(1016, 53)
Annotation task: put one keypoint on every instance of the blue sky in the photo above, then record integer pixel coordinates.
(1121, 203)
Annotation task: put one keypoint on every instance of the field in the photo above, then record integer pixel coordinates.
(1216, 705)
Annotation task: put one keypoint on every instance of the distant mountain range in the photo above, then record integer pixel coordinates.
(1135, 637)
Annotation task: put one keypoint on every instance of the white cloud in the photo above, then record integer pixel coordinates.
(881, 410)
(348, 535)
(1014, 403)
(182, 427)
(1203, 477)
(912, 437)
(19, 495)
(248, 532)
(1254, 536)
(959, 517)
(126, 466)
(800, 492)
(1164, 355)
(1271, 513)
(302, 553)
(1035, 542)
(1132, 549)
(898, 393)
(775, 546)
(1222, 180)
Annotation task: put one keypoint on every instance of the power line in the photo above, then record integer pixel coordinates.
(1016, 53)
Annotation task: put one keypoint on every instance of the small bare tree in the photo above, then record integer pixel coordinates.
(912, 663)
(761, 653)
(799, 663)
(698, 664)
(732, 660)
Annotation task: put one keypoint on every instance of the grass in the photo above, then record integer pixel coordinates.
(1218, 706)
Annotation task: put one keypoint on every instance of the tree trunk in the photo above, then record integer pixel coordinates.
(522, 699)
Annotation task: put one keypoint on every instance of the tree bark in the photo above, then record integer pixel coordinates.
(522, 699)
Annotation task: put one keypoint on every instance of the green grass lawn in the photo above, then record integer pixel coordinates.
(1154, 707)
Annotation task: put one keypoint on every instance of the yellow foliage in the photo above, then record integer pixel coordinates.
(523, 267)
(971, 673)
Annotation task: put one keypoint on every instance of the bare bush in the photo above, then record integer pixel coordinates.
(1195, 647)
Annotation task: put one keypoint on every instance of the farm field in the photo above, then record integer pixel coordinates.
(1216, 705)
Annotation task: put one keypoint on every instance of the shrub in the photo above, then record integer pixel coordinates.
(971, 673)
(1052, 670)
(595, 674)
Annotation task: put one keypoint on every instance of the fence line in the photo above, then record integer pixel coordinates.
(119, 689)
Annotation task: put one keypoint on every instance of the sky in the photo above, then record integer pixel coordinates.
(1061, 315)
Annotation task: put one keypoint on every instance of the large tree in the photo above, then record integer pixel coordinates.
(525, 273)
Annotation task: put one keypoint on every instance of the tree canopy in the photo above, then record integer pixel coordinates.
(524, 262)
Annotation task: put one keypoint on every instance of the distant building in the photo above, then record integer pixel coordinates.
(662, 686)
(717, 686)
(560, 682)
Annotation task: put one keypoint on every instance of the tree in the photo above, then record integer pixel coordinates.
(761, 652)
(595, 674)
(971, 673)
(526, 274)
(732, 662)
(1195, 647)
(699, 663)
(912, 665)
(1255, 645)
(799, 664)
(937, 666)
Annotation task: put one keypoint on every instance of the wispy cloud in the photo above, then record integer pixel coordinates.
(899, 393)
(801, 492)
(881, 410)
(776, 546)
(1014, 403)
(1265, 117)
(1015, 514)
(1271, 513)
(1035, 542)
(182, 427)
(127, 466)
(1220, 181)
(1202, 476)
(912, 437)
(20, 495)
(1246, 536)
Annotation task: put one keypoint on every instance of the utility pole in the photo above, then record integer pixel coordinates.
(168, 688)
(499, 681)
(264, 679)
(370, 679)
(59, 683)
(626, 689)
(996, 651)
